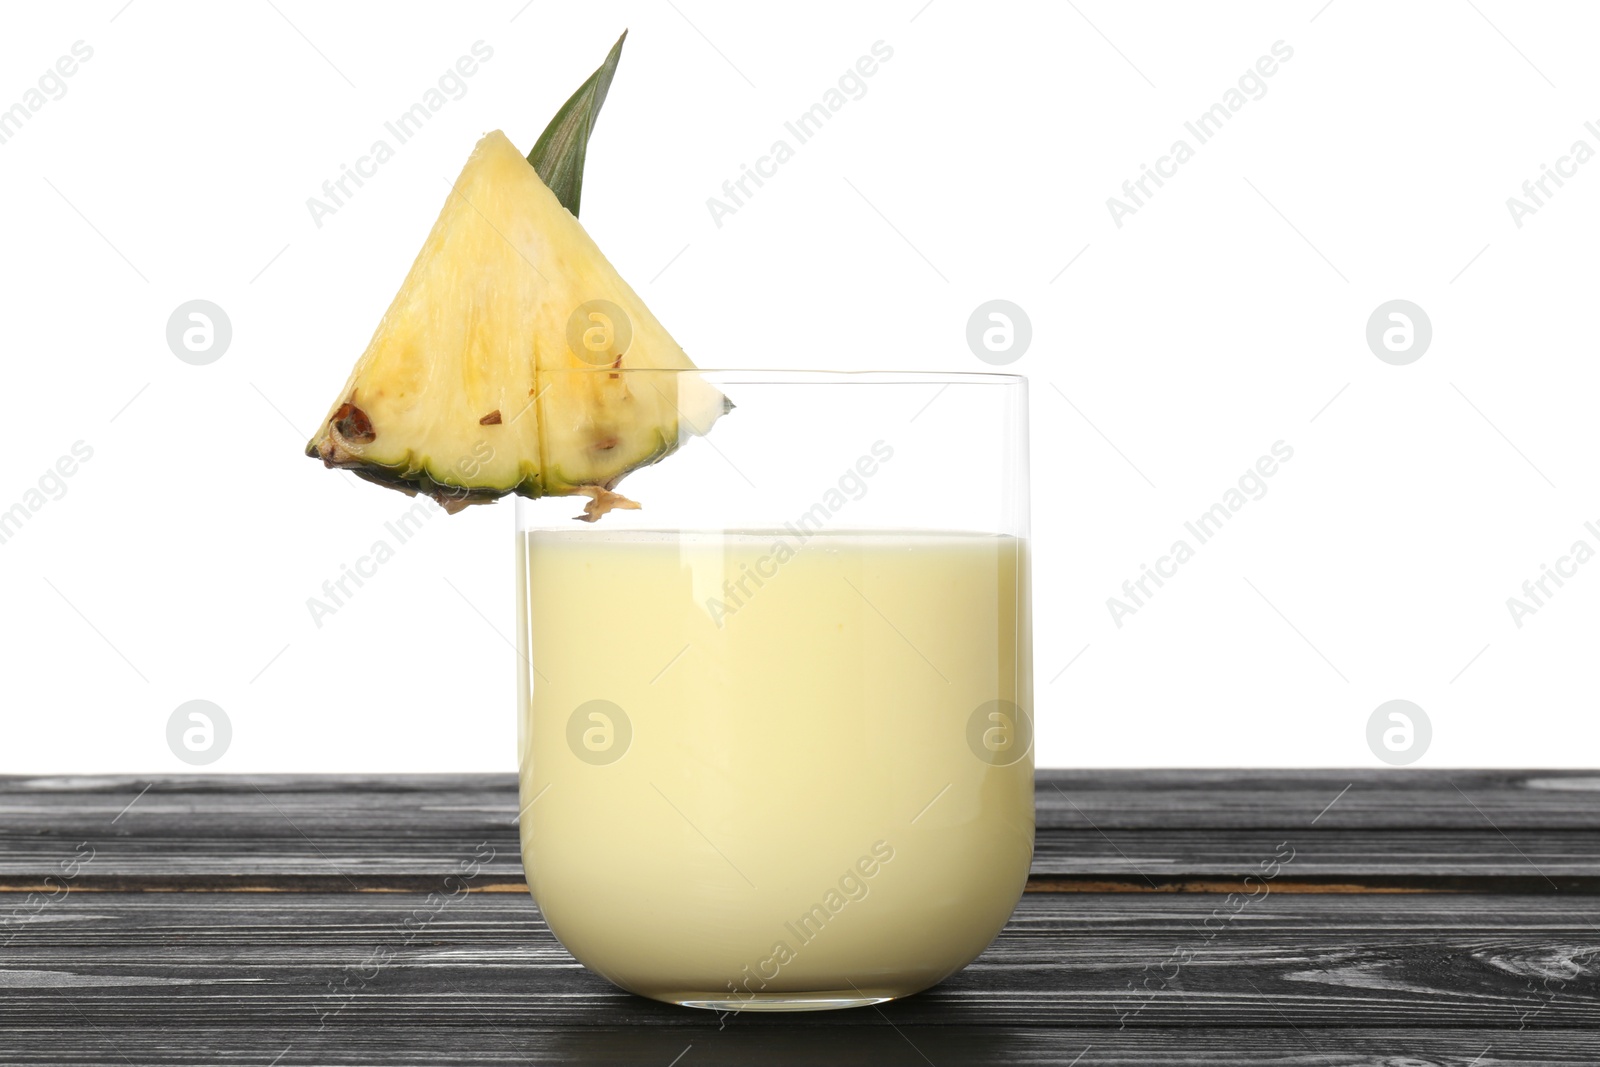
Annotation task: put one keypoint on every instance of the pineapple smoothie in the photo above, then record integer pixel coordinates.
(767, 769)
(760, 769)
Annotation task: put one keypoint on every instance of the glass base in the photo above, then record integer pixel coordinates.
(820, 1000)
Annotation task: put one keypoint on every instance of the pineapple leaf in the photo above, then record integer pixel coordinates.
(559, 153)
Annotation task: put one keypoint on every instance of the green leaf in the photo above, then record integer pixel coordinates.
(559, 153)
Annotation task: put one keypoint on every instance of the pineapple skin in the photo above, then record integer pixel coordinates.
(471, 387)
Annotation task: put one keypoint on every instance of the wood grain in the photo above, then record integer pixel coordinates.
(1091, 960)
(1425, 918)
(782, 1043)
(1531, 831)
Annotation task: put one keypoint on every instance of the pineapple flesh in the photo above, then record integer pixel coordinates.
(498, 367)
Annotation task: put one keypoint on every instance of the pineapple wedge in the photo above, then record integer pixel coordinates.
(496, 368)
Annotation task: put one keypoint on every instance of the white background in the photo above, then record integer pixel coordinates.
(1227, 314)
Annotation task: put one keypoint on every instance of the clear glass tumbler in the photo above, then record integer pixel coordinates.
(776, 725)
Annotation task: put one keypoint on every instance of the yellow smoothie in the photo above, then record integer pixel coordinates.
(775, 769)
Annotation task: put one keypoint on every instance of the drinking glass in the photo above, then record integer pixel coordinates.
(776, 724)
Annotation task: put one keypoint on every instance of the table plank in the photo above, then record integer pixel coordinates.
(1082, 960)
(1098, 830)
(781, 1043)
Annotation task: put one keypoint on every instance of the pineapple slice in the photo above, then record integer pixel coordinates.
(496, 368)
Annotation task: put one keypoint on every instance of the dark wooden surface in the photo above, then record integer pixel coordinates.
(1424, 918)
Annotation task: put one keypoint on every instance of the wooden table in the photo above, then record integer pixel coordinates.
(1304, 917)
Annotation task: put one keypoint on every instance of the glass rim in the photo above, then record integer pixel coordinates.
(781, 376)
